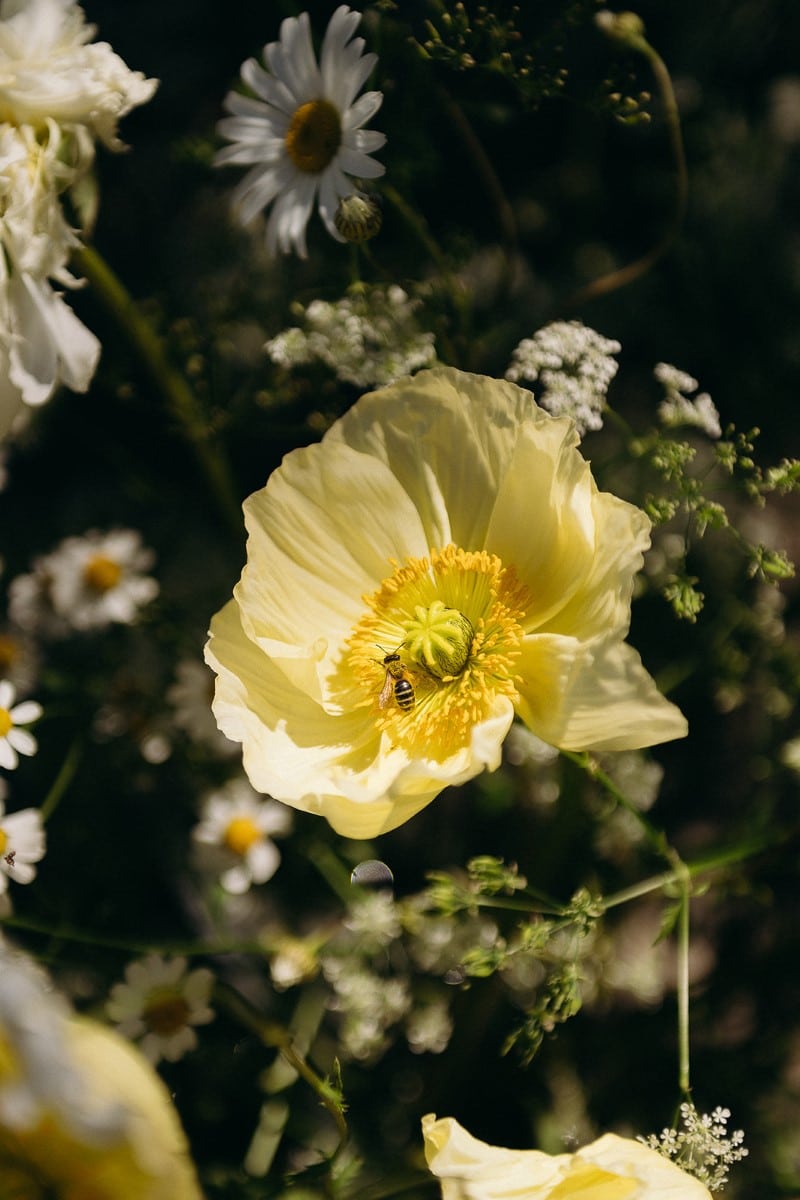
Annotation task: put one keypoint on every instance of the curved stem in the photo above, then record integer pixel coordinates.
(62, 780)
(640, 266)
(181, 401)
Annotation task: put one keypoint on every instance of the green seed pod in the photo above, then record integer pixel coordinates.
(439, 640)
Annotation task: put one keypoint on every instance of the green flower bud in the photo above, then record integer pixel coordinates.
(439, 639)
(358, 218)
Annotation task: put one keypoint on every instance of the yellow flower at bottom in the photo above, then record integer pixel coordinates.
(612, 1168)
(441, 562)
(82, 1115)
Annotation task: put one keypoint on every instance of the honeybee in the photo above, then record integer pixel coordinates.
(396, 684)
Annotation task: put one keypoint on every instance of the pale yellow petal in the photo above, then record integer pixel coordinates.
(661, 1179)
(448, 437)
(148, 1160)
(321, 536)
(336, 766)
(594, 696)
(611, 1168)
(601, 605)
(543, 521)
(289, 741)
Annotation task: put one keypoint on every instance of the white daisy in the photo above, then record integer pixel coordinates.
(86, 583)
(14, 740)
(22, 843)
(303, 131)
(234, 835)
(158, 1004)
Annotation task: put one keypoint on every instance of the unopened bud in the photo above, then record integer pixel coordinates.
(358, 218)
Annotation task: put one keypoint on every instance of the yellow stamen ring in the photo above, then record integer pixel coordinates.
(465, 605)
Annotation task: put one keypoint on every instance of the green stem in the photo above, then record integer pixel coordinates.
(637, 42)
(279, 1038)
(181, 400)
(683, 981)
(654, 836)
(62, 780)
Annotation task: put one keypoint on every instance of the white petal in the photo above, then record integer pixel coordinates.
(353, 162)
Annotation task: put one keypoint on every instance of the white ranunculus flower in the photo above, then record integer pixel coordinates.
(612, 1168)
(49, 69)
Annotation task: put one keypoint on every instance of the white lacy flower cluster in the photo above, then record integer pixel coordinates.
(679, 408)
(369, 338)
(573, 366)
(58, 94)
(702, 1145)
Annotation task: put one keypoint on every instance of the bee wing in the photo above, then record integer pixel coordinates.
(386, 690)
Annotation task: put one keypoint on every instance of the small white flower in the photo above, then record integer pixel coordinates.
(679, 408)
(234, 835)
(22, 843)
(303, 134)
(369, 337)
(573, 366)
(158, 1004)
(13, 739)
(86, 583)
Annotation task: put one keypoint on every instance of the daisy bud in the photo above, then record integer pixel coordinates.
(358, 218)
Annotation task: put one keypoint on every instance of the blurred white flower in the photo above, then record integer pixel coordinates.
(234, 835)
(429, 1028)
(13, 739)
(678, 408)
(22, 843)
(158, 1005)
(369, 1005)
(369, 337)
(81, 1113)
(47, 70)
(302, 135)
(573, 366)
(86, 583)
(190, 696)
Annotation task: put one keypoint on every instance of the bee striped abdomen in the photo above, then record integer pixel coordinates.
(404, 694)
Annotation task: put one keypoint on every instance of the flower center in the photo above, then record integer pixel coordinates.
(102, 574)
(6, 724)
(9, 653)
(166, 1012)
(3, 841)
(438, 646)
(240, 835)
(314, 135)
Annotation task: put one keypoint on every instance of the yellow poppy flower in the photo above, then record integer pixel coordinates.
(441, 561)
(612, 1168)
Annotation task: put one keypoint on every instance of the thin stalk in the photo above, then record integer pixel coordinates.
(634, 39)
(62, 780)
(181, 401)
(279, 1038)
(683, 984)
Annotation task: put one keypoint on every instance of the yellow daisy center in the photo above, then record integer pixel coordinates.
(314, 136)
(102, 573)
(6, 724)
(240, 835)
(3, 841)
(9, 653)
(166, 1011)
(437, 646)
